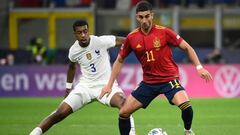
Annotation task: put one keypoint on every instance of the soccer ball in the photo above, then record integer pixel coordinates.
(157, 131)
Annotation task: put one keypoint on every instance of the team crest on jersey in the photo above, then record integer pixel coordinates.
(156, 43)
(89, 56)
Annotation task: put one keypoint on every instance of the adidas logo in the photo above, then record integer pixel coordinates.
(138, 46)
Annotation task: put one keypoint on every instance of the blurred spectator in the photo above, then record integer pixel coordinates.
(38, 50)
(214, 57)
(3, 61)
(9, 60)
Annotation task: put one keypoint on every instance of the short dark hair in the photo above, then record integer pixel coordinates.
(143, 6)
(79, 23)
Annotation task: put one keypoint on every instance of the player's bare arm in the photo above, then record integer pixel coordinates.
(70, 76)
(119, 41)
(203, 73)
(115, 71)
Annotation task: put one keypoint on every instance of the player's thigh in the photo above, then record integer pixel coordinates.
(145, 93)
(175, 93)
(130, 106)
(180, 97)
(117, 100)
(114, 96)
(78, 97)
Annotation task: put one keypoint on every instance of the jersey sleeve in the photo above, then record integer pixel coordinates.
(125, 49)
(108, 40)
(70, 55)
(172, 37)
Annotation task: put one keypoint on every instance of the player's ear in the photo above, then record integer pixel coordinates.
(152, 14)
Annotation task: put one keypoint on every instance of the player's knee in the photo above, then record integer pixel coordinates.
(186, 109)
(185, 106)
(123, 113)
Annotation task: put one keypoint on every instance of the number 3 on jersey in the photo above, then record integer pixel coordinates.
(93, 69)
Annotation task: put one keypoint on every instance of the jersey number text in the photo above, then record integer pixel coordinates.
(150, 56)
(93, 68)
(175, 84)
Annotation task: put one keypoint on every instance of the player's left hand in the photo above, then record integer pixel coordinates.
(203, 73)
(105, 90)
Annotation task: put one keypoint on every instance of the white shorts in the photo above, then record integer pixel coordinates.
(84, 93)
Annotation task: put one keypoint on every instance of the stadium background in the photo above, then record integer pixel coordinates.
(209, 26)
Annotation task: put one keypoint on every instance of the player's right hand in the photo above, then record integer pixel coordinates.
(105, 90)
(203, 73)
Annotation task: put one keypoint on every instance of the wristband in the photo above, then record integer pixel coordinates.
(198, 67)
(69, 85)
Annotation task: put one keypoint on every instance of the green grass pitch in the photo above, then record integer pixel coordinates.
(18, 116)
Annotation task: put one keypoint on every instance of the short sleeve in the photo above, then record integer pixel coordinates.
(125, 49)
(108, 40)
(70, 55)
(172, 37)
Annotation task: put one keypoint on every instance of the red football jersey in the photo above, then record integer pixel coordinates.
(154, 53)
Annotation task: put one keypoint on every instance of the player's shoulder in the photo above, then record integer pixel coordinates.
(159, 27)
(134, 32)
(94, 39)
(74, 46)
(162, 29)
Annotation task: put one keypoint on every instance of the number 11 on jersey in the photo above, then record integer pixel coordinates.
(150, 56)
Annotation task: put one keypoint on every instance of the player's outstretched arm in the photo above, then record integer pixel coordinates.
(203, 73)
(70, 76)
(115, 71)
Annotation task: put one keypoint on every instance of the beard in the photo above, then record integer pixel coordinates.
(146, 26)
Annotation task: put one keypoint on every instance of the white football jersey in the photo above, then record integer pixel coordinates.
(94, 59)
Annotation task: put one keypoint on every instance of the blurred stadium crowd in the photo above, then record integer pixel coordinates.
(34, 50)
(115, 4)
